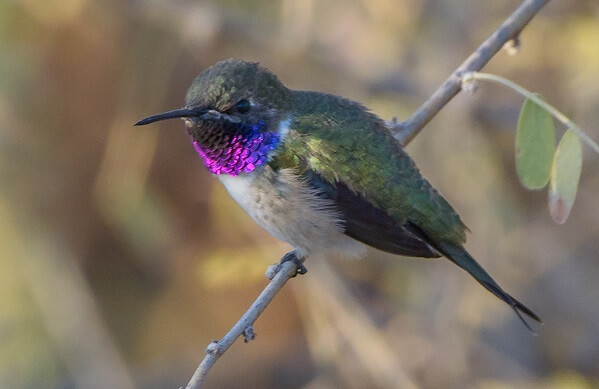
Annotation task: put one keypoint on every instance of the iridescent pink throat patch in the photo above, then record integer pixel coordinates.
(240, 153)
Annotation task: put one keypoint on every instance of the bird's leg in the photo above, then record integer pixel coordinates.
(292, 256)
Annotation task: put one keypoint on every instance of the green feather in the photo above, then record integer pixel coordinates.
(342, 141)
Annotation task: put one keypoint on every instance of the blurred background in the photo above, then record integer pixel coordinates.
(121, 258)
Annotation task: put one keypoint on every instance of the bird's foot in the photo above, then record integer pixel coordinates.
(272, 270)
(292, 256)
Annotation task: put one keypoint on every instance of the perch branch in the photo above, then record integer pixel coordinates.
(510, 29)
(404, 132)
(284, 272)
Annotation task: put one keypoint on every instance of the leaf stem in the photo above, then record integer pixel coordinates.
(566, 121)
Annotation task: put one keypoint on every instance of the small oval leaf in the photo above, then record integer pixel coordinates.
(565, 174)
(535, 144)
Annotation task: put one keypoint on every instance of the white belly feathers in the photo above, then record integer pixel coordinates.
(287, 207)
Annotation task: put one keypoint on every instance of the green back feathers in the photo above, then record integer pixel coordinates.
(342, 141)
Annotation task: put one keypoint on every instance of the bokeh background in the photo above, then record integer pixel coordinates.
(121, 258)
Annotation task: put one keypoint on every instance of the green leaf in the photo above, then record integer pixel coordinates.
(565, 174)
(535, 144)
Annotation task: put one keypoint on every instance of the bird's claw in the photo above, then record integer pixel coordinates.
(292, 256)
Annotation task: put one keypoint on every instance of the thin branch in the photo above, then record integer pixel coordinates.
(510, 29)
(284, 272)
(404, 132)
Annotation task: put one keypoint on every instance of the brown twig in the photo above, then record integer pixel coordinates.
(404, 132)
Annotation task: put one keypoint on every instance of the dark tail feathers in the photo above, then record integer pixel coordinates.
(460, 257)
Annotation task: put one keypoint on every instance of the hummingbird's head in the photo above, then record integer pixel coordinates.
(233, 113)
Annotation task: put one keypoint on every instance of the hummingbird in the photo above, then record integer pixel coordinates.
(320, 171)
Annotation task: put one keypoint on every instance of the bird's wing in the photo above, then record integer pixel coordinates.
(350, 150)
(369, 224)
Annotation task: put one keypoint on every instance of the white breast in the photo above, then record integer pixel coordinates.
(284, 205)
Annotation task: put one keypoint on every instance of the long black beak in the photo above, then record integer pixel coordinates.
(177, 113)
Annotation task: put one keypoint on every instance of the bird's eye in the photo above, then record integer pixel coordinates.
(243, 106)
